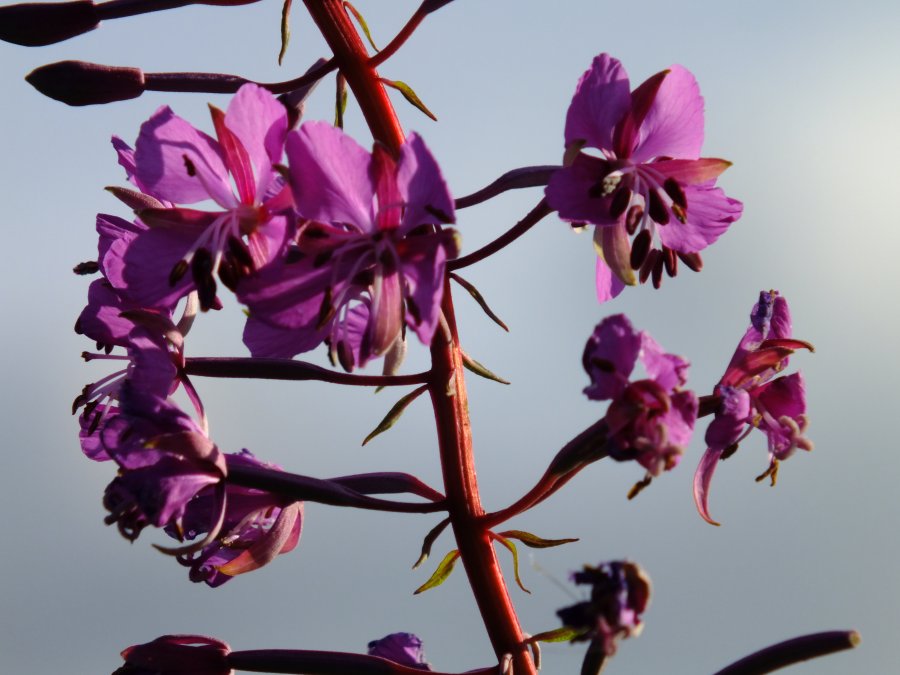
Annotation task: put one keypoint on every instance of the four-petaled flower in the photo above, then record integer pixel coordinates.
(646, 178)
(747, 397)
(650, 420)
(369, 259)
(174, 163)
(620, 593)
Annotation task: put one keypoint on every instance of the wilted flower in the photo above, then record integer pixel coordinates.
(403, 648)
(177, 655)
(646, 178)
(748, 398)
(369, 259)
(649, 420)
(620, 593)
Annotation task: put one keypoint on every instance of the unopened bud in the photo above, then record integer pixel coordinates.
(82, 83)
(35, 24)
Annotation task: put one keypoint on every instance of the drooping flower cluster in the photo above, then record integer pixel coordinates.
(403, 648)
(620, 593)
(645, 178)
(651, 420)
(748, 397)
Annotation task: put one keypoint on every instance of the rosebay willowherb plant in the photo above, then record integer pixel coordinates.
(330, 244)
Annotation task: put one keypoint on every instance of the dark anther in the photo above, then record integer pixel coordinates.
(597, 190)
(177, 272)
(671, 261)
(603, 365)
(729, 451)
(674, 190)
(239, 250)
(345, 356)
(437, 213)
(87, 267)
(649, 262)
(657, 208)
(693, 260)
(228, 274)
(189, 166)
(658, 270)
(620, 201)
(633, 219)
(680, 214)
(413, 310)
(640, 247)
(314, 231)
(326, 310)
(201, 271)
(322, 259)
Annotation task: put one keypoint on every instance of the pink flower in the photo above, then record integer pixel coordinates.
(369, 259)
(646, 178)
(747, 397)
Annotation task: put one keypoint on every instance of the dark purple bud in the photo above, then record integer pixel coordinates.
(640, 247)
(693, 260)
(657, 208)
(82, 83)
(34, 24)
(177, 654)
(633, 219)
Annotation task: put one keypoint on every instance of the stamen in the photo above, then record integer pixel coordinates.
(674, 190)
(345, 356)
(671, 261)
(657, 208)
(620, 202)
(640, 247)
(693, 260)
(658, 266)
(178, 271)
(202, 273)
(649, 263)
(633, 219)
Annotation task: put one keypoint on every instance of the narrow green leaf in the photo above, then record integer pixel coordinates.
(477, 368)
(409, 95)
(362, 24)
(476, 295)
(515, 555)
(340, 101)
(430, 538)
(394, 413)
(441, 573)
(534, 541)
(285, 29)
(556, 635)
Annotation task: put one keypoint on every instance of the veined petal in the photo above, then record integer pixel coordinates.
(260, 122)
(178, 163)
(673, 126)
(265, 340)
(611, 242)
(709, 214)
(329, 175)
(422, 267)
(116, 235)
(609, 357)
(601, 100)
(783, 396)
(263, 551)
(236, 157)
(383, 170)
(702, 480)
(668, 370)
(385, 315)
(149, 261)
(422, 187)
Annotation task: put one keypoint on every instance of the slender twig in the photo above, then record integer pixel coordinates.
(505, 239)
(219, 83)
(288, 369)
(525, 177)
(793, 651)
(310, 662)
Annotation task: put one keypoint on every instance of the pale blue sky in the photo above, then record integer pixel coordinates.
(802, 96)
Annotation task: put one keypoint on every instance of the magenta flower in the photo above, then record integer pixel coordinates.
(256, 527)
(369, 259)
(174, 163)
(620, 593)
(177, 655)
(650, 420)
(403, 648)
(747, 397)
(646, 178)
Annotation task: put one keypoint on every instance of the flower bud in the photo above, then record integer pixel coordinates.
(35, 24)
(177, 655)
(82, 83)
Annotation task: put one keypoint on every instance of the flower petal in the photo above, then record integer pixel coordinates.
(601, 99)
(260, 122)
(709, 214)
(423, 269)
(570, 190)
(263, 551)
(608, 284)
(609, 357)
(422, 187)
(673, 126)
(702, 480)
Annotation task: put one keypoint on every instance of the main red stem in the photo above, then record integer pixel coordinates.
(447, 384)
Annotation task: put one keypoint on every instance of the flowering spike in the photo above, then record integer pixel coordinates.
(80, 83)
(34, 24)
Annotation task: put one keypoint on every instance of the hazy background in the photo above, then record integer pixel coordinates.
(801, 96)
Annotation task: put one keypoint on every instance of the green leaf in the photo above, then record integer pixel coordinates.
(515, 555)
(441, 573)
(556, 635)
(409, 95)
(340, 101)
(429, 540)
(534, 541)
(285, 29)
(362, 24)
(477, 368)
(474, 292)
(394, 413)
